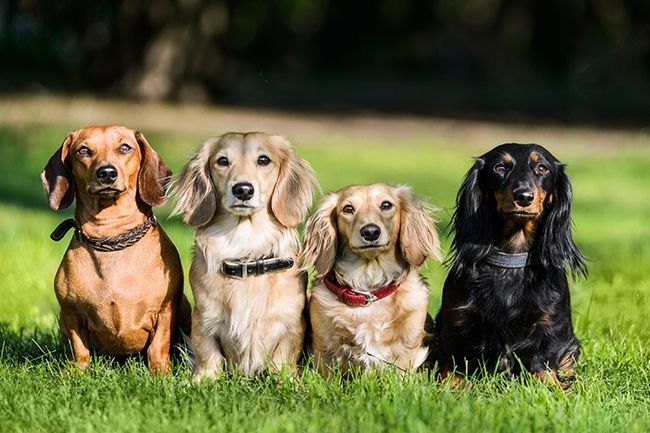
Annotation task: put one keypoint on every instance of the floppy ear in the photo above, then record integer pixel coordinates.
(557, 247)
(57, 178)
(154, 175)
(195, 193)
(321, 241)
(418, 237)
(473, 220)
(294, 189)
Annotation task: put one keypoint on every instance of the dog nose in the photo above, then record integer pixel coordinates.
(243, 190)
(370, 232)
(106, 174)
(524, 197)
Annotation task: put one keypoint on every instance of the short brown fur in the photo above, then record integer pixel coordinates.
(121, 302)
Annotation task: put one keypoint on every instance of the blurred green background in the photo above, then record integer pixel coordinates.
(568, 60)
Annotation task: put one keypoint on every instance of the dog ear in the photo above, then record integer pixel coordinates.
(418, 237)
(195, 193)
(473, 221)
(154, 175)
(557, 247)
(57, 178)
(321, 241)
(295, 187)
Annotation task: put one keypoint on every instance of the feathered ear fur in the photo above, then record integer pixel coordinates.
(556, 246)
(57, 178)
(321, 240)
(473, 221)
(295, 187)
(154, 175)
(194, 190)
(418, 237)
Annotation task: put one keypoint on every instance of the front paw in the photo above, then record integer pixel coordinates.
(202, 374)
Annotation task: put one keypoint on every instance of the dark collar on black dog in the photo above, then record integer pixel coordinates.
(241, 270)
(112, 243)
(505, 260)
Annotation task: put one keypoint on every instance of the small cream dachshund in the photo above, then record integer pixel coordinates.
(369, 304)
(245, 194)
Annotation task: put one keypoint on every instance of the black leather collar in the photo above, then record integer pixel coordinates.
(506, 260)
(242, 270)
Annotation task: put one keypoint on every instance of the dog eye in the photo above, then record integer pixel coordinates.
(223, 161)
(542, 168)
(500, 168)
(348, 209)
(83, 151)
(124, 148)
(263, 160)
(386, 205)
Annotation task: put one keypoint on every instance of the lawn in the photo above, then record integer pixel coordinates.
(610, 171)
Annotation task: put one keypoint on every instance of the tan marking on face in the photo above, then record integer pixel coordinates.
(366, 201)
(507, 159)
(534, 156)
(506, 204)
(518, 237)
(103, 142)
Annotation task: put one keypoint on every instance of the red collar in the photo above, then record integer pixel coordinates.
(350, 297)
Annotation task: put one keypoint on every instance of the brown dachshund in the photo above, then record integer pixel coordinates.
(120, 284)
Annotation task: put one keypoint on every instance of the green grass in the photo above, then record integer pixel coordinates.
(39, 391)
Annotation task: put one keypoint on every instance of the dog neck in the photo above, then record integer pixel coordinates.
(517, 236)
(232, 237)
(99, 217)
(364, 275)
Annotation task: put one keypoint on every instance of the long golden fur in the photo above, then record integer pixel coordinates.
(257, 322)
(389, 331)
(118, 302)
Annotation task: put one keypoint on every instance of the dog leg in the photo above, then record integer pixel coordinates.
(286, 353)
(159, 345)
(77, 336)
(564, 376)
(549, 377)
(453, 378)
(208, 357)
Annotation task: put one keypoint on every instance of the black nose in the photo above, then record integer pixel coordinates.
(243, 190)
(370, 232)
(523, 197)
(106, 174)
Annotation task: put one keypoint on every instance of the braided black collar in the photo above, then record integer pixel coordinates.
(111, 243)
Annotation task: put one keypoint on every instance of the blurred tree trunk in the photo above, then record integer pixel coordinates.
(182, 56)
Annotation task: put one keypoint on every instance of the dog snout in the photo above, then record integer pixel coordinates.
(243, 190)
(106, 174)
(370, 232)
(523, 196)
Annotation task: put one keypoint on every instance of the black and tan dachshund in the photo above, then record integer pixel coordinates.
(505, 303)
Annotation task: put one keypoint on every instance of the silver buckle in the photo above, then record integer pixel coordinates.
(370, 298)
(244, 270)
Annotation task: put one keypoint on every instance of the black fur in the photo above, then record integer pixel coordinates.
(503, 318)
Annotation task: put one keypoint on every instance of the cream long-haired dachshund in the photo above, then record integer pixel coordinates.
(369, 304)
(245, 194)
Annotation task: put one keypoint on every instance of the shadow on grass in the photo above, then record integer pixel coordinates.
(31, 345)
